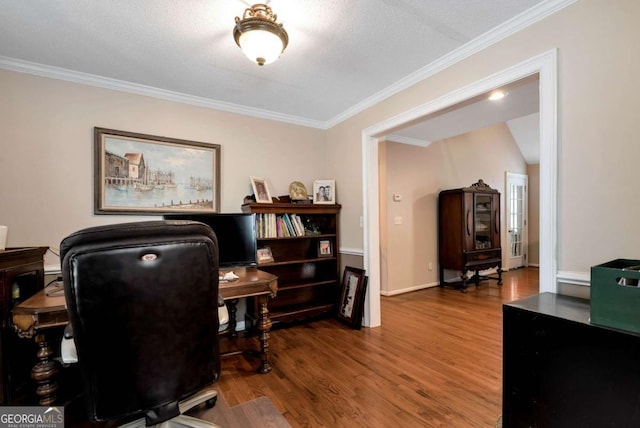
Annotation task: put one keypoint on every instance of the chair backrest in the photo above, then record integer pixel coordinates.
(142, 300)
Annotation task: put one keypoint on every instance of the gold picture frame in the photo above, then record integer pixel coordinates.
(151, 175)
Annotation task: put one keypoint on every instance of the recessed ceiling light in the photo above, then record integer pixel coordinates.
(497, 95)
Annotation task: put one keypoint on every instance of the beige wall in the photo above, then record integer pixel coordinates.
(46, 140)
(597, 118)
(418, 174)
(46, 171)
(533, 171)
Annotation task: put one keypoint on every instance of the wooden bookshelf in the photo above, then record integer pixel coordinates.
(308, 277)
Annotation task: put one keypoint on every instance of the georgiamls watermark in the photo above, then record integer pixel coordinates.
(31, 417)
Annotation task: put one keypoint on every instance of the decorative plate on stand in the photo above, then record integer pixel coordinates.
(297, 191)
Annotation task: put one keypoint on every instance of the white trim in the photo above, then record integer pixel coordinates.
(515, 24)
(371, 228)
(407, 140)
(150, 91)
(409, 289)
(546, 65)
(506, 29)
(352, 251)
(506, 255)
(573, 277)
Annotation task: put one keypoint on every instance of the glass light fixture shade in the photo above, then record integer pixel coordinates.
(260, 46)
(259, 36)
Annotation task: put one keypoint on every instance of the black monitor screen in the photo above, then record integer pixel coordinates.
(236, 235)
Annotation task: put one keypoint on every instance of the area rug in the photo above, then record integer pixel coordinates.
(258, 413)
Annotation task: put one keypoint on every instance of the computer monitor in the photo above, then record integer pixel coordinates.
(236, 235)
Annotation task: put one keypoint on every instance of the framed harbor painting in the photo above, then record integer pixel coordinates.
(150, 175)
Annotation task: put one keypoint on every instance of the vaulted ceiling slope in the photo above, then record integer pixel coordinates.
(343, 55)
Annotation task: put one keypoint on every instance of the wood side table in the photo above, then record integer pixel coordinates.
(252, 282)
(31, 319)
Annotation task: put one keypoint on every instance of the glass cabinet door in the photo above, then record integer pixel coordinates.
(482, 209)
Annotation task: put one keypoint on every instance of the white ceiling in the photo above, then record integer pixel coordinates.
(519, 109)
(343, 55)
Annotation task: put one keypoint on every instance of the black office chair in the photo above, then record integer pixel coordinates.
(143, 304)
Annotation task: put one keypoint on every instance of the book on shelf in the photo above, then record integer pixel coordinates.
(270, 225)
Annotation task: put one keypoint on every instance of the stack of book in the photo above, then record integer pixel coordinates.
(269, 225)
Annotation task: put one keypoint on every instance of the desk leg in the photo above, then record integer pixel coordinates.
(264, 326)
(44, 372)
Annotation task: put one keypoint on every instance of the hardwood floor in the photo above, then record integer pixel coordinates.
(436, 361)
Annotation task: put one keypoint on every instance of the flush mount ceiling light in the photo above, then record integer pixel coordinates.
(497, 95)
(259, 36)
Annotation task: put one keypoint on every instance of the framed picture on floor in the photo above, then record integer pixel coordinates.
(351, 304)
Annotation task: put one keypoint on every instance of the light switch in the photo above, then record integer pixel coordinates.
(397, 220)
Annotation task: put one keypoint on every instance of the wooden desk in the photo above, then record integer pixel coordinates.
(32, 318)
(40, 312)
(252, 283)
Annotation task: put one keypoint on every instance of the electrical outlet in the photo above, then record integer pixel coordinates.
(430, 266)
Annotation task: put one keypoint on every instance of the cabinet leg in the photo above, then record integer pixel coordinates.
(499, 275)
(44, 372)
(264, 327)
(464, 279)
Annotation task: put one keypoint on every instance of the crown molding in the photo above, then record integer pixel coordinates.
(406, 140)
(20, 66)
(502, 31)
(489, 38)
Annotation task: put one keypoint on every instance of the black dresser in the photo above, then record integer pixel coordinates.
(561, 371)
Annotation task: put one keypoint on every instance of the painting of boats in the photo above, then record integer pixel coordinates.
(142, 174)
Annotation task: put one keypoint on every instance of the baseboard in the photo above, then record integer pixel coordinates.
(574, 277)
(408, 289)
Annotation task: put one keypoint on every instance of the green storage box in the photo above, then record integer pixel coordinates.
(615, 294)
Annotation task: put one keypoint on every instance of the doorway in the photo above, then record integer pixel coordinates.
(546, 66)
(516, 199)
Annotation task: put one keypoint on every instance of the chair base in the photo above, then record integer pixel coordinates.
(206, 395)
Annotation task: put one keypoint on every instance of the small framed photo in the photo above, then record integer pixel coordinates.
(351, 304)
(264, 255)
(261, 190)
(324, 191)
(325, 248)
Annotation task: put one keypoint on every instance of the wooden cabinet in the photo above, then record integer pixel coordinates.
(559, 370)
(21, 276)
(307, 264)
(469, 232)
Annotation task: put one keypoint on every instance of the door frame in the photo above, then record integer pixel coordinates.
(546, 66)
(525, 227)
